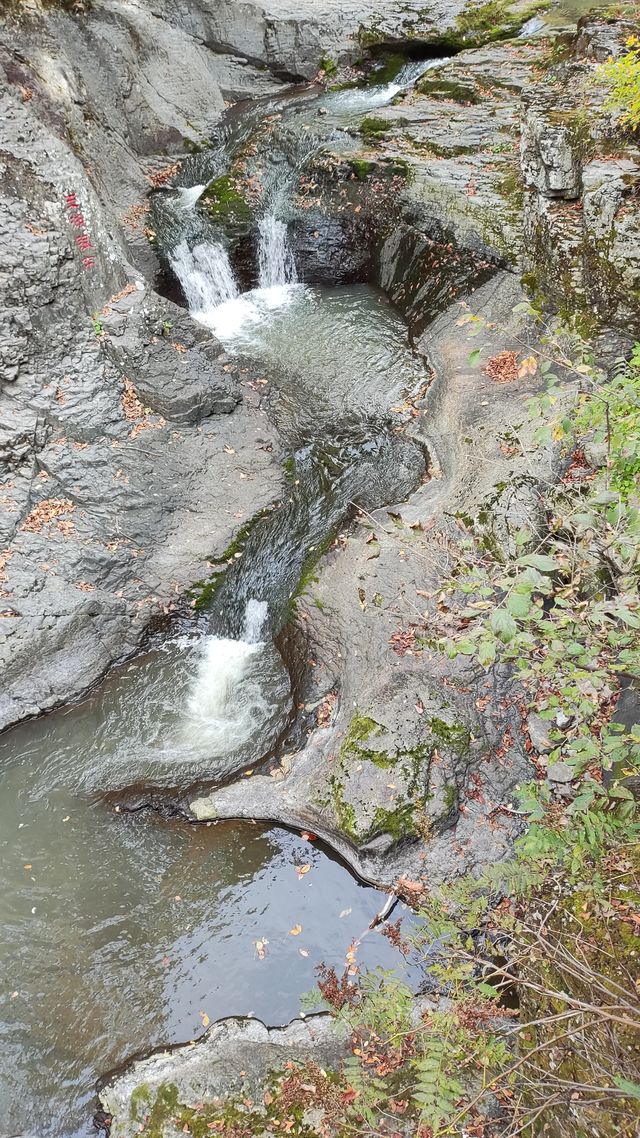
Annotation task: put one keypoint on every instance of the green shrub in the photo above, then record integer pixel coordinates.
(623, 77)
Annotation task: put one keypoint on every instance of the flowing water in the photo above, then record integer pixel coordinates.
(122, 932)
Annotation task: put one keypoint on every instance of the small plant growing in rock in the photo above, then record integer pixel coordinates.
(328, 66)
(623, 78)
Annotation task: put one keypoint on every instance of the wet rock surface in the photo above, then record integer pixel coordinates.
(401, 752)
(235, 1057)
(132, 449)
(116, 485)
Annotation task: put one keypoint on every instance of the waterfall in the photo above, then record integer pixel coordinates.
(276, 265)
(254, 618)
(224, 699)
(187, 196)
(205, 274)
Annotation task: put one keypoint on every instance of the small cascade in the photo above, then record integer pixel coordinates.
(357, 100)
(254, 618)
(221, 669)
(187, 196)
(276, 265)
(205, 274)
(225, 702)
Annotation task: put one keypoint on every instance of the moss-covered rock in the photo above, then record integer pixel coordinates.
(227, 206)
(378, 786)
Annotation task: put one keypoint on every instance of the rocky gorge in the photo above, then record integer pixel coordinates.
(165, 480)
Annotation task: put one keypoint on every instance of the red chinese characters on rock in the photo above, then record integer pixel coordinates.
(83, 241)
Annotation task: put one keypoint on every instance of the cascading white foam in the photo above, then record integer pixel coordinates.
(254, 618)
(205, 274)
(188, 195)
(276, 265)
(225, 700)
(363, 98)
(219, 673)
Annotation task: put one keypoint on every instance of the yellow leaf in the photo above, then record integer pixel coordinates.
(295, 931)
(529, 366)
(205, 1019)
(302, 869)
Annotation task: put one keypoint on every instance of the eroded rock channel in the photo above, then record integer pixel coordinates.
(240, 425)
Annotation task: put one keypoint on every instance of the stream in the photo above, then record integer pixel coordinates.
(122, 932)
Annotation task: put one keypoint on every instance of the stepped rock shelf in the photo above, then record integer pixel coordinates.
(240, 428)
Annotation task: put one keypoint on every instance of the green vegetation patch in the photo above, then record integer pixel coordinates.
(373, 128)
(623, 78)
(225, 204)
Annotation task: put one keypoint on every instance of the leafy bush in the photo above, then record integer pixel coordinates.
(623, 77)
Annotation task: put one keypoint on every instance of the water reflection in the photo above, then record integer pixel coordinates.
(120, 933)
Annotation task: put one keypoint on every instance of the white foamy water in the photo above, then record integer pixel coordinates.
(222, 712)
(276, 265)
(188, 195)
(255, 616)
(205, 274)
(227, 701)
(241, 317)
(363, 98)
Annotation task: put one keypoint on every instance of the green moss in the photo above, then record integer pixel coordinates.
(453, 735)
(141, 1099)
(494, 20)
(511, 187)
(344, 811)
(359, 731)
(152, 1113)
(361, 168)
(226, 204)
(438, 87)
(386, 72)
(450, 795)
(373, 128)
(398, 823)
(401, 168)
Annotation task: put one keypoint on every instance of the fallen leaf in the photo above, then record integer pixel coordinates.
(165, 961)
(345, 912)
(205, 1019)
(303, 952)
(307, 836)
(27, 865)
(261, 948)
(295, 931)
(302, 869)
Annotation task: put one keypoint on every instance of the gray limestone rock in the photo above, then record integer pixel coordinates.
(560, 773)
(234, 1059)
